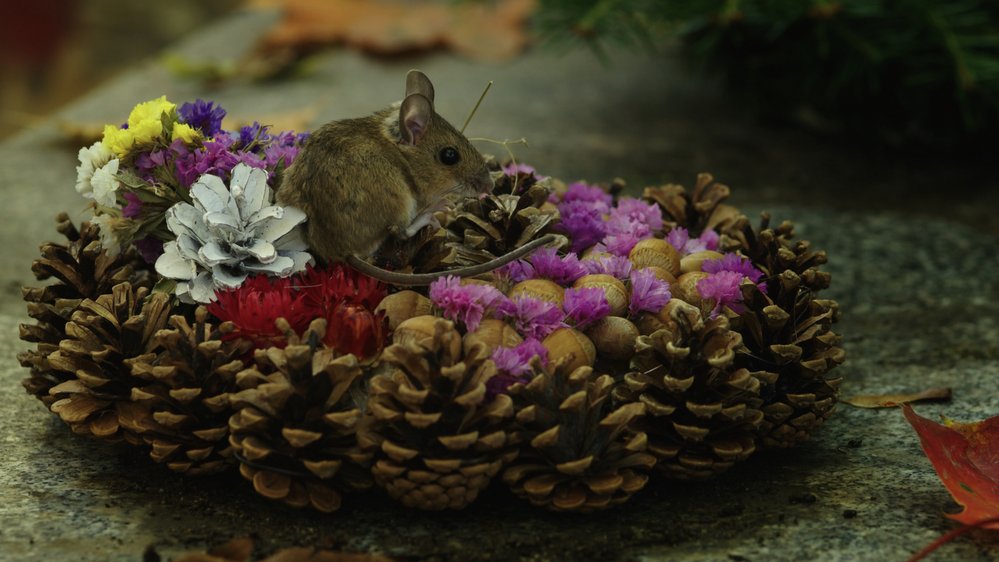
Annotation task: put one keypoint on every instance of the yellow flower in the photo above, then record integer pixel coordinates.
(118, 141)
(145, 123)
(186, 132)
(151, 110)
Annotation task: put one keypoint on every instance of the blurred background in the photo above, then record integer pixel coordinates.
(911, 74)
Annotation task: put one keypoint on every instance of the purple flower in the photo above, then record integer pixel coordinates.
(512, 169)
(596, 197)
(585, 306)
(146, 162)
(733, 262)
(212, 158)
(648, 292)
(680, 239)
(149, 248)
(514, 365)
(533, 318)
(516, 271)
(616, 266)
(253, 134)
(562, 270)
(623, 232)
(583, 222)
(465, 303)
(203, 115)
(517, 360)
(723, 288)
(640, 212)
(134, 207)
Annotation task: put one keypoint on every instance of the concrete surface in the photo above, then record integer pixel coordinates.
(912, 256)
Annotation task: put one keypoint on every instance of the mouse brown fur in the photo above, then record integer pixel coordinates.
(362, 180)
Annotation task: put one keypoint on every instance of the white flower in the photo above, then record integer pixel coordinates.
(229, 233)
(91, 159)
(105, 184)
(109, 241)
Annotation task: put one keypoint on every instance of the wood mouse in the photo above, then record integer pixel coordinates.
(362, 180)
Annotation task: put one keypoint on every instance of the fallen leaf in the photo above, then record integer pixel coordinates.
(891, 400)
(479, 30)
(966, 458)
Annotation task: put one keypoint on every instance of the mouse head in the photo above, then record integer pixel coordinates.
(447, 165)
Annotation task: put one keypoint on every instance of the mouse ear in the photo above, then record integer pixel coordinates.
(418, 83)
(414, 118)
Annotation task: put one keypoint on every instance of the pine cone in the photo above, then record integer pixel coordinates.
(189, 379)
(477, 231)
(579, 453)
(94, 398)
(83, 270)
(700, 210)
(437, 435)
(295, 421)
(702, 412)
(787, 332)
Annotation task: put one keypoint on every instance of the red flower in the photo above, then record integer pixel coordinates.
(256, 304)
(345, 297)
(352, 328)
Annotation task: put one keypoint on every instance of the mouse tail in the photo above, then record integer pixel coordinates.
(418, 279)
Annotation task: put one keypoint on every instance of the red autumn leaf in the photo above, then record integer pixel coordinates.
(966, 458)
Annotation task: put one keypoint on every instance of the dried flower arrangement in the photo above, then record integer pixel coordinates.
(668, 337)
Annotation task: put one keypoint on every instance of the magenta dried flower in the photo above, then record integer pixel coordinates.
(516, 271)
(723, 289)
(134, 207)
(533, 318)
(623, 233)
(585, 306)
(592, 194)
(512, 169)
(583, 222)
(466, 304)
(733, 262)
(637, 211)
(514, 365)
(615, 266)
(648, 292)
(562, 270)
(680, 239)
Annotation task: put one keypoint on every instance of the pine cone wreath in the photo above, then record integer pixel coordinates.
(82, 270)
(579, 453)
(702, 209)
(295, 422)
(189, 379)
(437, 435)
(702, 412)
(102, 334)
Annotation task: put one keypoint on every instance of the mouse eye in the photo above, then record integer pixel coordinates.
(449, 156)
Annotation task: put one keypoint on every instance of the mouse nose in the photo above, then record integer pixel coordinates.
(483, 182)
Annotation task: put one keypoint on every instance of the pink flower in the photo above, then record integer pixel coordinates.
(733, 262)
(583, 222)
(681, 240)
(623, 232)
(516, 271)
(638, 211)
(616, 266)
(562, 270)
(596, 197)
(648, 292)
(723, 289)
(533, 318)
(514, 365)
(134, 207)
(465, 303)
(585, 306)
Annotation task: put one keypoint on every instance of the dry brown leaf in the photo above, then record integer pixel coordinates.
(479, 30)
(892, 400)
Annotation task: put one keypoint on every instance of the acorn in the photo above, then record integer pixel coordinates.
(648, 322)
(419, 330)
(613, 288)
(403, 305)
(662, 274)
(543, 289)
(656, 252)
(566, 341)
(694, 261)
(593, 253)
(686, 287)
(614, 337)
(494, 333)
